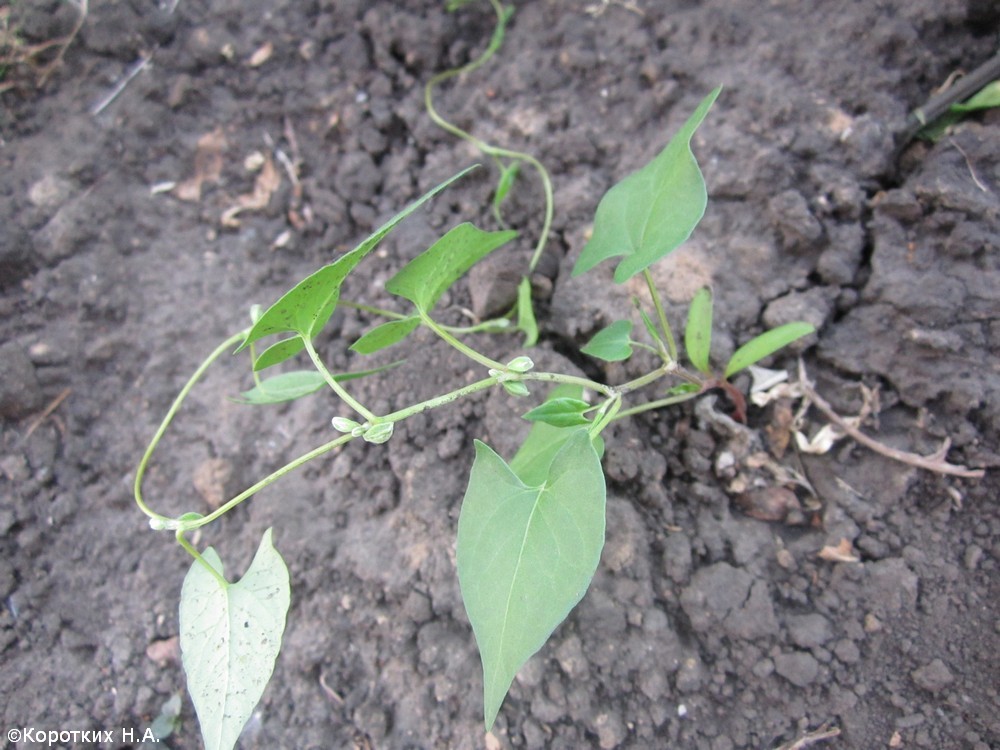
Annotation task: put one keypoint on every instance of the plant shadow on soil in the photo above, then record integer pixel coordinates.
(704, 627)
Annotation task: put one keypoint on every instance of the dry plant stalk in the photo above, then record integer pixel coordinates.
(935, 462)
(15, 52)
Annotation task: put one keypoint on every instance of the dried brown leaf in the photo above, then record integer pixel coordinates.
(207, 166)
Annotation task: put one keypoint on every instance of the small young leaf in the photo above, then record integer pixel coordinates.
(385, 335)
(698, 334)
(526, 313)
(307, 307)
(559, 412)
(652, 211)
(612, 343)
(526, 555)
(379, 433)
(287, 386)
(515, 388)
(345, 425)
(230, 637)
(520, 364)
(425, 278)
(531, 462)
(279, 352)
(651, 329)
(167, 721)
(766, 344)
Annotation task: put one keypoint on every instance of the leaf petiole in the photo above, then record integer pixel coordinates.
(332, 382)
(221, 349)
(660, 314)
(468, 351)
(197, 556)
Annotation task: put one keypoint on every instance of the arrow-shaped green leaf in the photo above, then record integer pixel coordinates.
(307, 306)
(425, 278)
(526, 555)
(653, 210)
(230, 638)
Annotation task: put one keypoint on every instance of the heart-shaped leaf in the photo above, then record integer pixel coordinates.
(612, 343)
(425, 278)
(766, 344)
(385, 335)
(230, 638)
(698, 334)
(526, 555)
(653, 210)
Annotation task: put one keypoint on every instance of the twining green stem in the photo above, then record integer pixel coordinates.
(442, 400)
(486, 325)
(658, 304)
(468, 351)
(561, 379)
(606, 414)
(222, 348)
(346, 397)
(373, 310)
(269, 479)
(166, 522)
(651, 377)
(658, 404)
(495, 152)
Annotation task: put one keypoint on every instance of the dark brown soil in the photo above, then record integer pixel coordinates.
(705, 628)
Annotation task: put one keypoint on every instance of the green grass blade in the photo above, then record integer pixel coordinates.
(766, 344)
(653, 210)
(698, 334)
(988, 97)
(526, 555)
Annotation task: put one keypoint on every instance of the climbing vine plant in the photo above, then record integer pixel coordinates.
(531, 528)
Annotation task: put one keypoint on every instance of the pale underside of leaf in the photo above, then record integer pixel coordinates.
(230, 637)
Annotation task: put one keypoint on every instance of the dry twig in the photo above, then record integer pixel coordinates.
(47, 411)
(934, 462)
(15, 52)
(817, 735)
